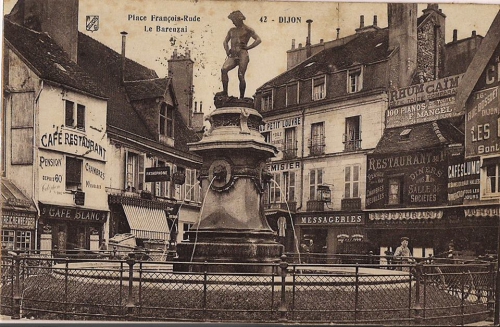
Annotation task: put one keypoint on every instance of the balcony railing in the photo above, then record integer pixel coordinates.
(281, 206)
(350, 204)
(317, 145)
(352, 142)
(315, 205)
(290, 150)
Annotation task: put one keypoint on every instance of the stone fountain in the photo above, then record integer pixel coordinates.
(232, 227)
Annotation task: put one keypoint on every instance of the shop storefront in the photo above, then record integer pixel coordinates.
(18, 219)
(332, 232)
(70, 227)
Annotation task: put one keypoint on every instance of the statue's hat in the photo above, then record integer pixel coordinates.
(236, 15)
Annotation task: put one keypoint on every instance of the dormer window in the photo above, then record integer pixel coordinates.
(319, 88)
(74, 116)
(267, 101)
(166, 121)
(292, 94)
(355, 80)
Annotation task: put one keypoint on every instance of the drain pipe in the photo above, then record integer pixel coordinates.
(301, 173)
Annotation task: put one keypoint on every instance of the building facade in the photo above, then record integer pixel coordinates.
(96, 158)
(328, 112)
(54, 146)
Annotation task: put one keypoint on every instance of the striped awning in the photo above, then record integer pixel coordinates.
(147, 223)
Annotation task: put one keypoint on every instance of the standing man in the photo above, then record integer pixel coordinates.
(237, 55)
(403, 253)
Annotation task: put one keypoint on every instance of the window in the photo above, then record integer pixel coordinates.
(192, 188)
(395, 190)
(74, 116)
(134, 171)
(355, 81)
(16, 240)
(492, 179)
(289, 185)
(274, 190)
(351, 189)
(73, 174)
(267, 101)
(352, 136)
(267, 137)
(290, 149)
(319, 90)
(315, 179)
(186, 228)
(166, 120)
(317, 141)
(292, 94)
(162, 189)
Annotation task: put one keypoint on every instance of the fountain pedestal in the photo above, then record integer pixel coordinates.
(232, 227)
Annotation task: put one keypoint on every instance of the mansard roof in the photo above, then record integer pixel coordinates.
(140, 83)
(364, 48)
(426, 135)
(48, 60)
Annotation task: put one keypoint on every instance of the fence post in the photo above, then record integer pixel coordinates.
(356, 294)
(205, 286)
(496, 321)
(283, 308)
(417, 308)
(66, 281)
(130, 302)
(491, 293)
(16, 310)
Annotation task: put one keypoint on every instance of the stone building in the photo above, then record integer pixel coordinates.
(327, 113)
(112, 157)
(54, 136)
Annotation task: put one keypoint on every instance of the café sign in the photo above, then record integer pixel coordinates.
(72, 213)
(406, 215)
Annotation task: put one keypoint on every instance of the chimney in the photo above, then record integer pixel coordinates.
(473, 33)
(197, 123)
(338, 32)
(375, 20)
(308, 40)
(402, 19)
(57, 18)
(293, 44)
(180, 70)
(124, 40)
(455, 37)
(361, 21)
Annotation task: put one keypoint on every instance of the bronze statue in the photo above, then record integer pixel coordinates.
(237, 55)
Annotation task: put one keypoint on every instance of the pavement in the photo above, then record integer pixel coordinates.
(479, 323)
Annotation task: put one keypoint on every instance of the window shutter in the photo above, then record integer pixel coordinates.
(125, 170)
(140, 159)
(80, 116)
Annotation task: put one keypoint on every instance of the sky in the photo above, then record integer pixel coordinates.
(204, 38)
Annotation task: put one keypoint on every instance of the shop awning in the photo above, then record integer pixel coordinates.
(147, 223)
(14, 199)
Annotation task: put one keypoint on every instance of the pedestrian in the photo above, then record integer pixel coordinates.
(403, 255)
(103, 246)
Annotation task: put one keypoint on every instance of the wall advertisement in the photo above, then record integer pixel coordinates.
(482, 135)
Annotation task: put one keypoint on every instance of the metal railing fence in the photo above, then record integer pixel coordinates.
(359, 292)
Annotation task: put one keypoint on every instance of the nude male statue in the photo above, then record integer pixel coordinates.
(237, 55)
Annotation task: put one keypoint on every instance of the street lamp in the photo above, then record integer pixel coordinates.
(324, 193)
